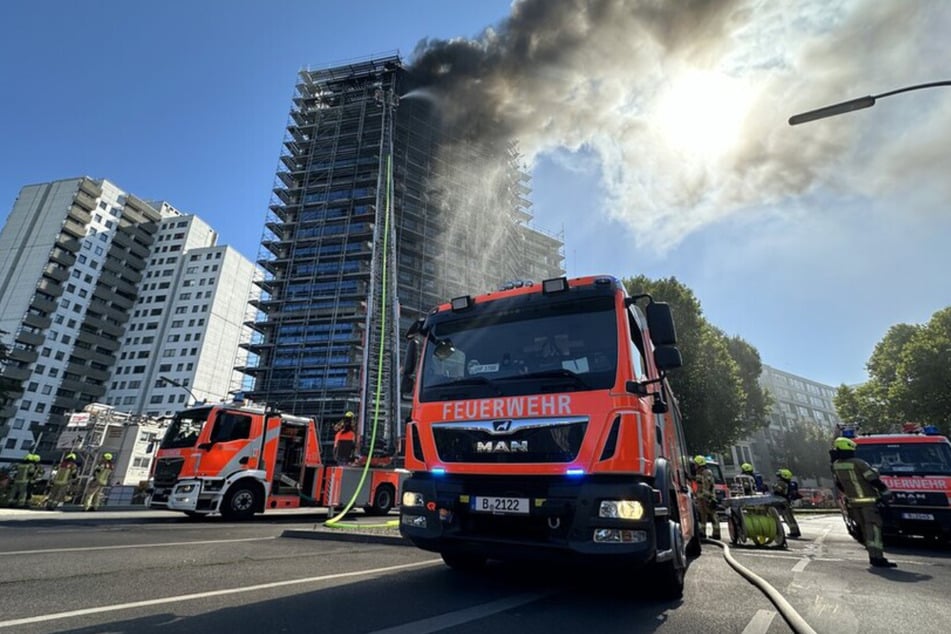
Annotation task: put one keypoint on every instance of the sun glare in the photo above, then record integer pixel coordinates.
(701, 113)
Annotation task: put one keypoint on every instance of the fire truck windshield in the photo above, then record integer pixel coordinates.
(521, 349)
(907, 458)
(184, 430)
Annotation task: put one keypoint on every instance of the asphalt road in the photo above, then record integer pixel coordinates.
(158, 572)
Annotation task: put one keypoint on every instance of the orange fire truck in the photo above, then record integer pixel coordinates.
(916, 467)
(238, 460)
(543, 427)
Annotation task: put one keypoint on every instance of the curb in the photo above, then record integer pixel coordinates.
(386, 536)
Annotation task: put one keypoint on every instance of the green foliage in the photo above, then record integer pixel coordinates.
(909, 379)
(717, 389)
(805, 450)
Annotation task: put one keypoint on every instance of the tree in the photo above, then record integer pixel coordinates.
(717, 388)
(805, 450)
(909, 379)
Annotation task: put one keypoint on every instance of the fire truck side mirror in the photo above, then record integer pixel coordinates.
(409, 369)
(660, 322)
(206, 445)
(667, 358)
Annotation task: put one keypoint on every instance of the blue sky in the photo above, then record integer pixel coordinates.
(657, 147)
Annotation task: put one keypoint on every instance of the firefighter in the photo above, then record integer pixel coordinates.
(788, 489)
(345, 440)
(751, 479)
(707, 496)
(27, 472)
(62, 480)
(862, 488)
(98, 481)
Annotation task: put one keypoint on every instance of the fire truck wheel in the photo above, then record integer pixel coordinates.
(382, 501)
(240, 503)
(693, 546)
(464, 561)
(669, 582)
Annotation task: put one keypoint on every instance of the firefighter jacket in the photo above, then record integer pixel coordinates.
(27, 472)
(857, 480)
(65, 473)
(102, 473)
(707, 488)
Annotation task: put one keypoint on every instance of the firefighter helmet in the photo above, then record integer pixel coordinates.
(746, 468)
(348, 415)
(700, 460)
(35, 457)
(785, 474)
(844, 444)
(71, 456)
(107, 456)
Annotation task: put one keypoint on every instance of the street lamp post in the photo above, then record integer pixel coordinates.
(180, 386)
(856, 104)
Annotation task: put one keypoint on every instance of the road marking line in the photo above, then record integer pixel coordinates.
(120, 546)
(211, 593)
(801, 564)
(461, 617)
(760, 622)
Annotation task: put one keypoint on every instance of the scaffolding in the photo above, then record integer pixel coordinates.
(375, 218)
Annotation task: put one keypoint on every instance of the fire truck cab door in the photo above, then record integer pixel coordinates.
(228, 448)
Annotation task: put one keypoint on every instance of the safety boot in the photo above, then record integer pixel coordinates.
(881, 562)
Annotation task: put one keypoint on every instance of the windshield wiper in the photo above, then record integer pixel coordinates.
(550, 374)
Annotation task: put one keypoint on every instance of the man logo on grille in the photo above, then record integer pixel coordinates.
(500, 426)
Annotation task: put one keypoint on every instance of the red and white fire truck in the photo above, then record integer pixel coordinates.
(238, 460)
(916, 467)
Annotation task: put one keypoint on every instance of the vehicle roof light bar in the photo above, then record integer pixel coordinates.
(555, 285)
(460, 303)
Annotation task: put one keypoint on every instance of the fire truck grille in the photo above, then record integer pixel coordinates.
(509, 442)
(166, 471)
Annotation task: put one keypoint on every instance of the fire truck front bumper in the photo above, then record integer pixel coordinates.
(185, 496)
(605, 521)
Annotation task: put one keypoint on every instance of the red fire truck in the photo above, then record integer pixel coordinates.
(543, 427)
(916, 467)
(238, 460)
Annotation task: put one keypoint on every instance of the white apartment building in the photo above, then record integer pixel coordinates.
(100, 294)
(188, 322)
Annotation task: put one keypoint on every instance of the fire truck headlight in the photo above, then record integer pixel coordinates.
(621, 509)
(411, 498)
(184, 488)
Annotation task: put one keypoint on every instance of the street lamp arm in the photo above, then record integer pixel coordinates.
(856, 104)
(180, 386)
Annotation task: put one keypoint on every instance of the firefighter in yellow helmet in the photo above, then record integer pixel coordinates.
(27, 473)
(862, 488)
(98, 482)
(62, 480)
(788, 489)
(345, 440)
(707, 497)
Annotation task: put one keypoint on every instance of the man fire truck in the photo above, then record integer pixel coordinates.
(915, 465)
(542, 427)
(237, 460)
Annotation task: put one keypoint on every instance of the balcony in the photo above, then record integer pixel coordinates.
(141, 212)
(56, 272)
(90, 188)
(74, 228)
(33, 320)
(51, 288)
(61, 257)
(24, 356)
(85, 201)
(30, 339)
(79, 214)
(68, 243)
(42, 304)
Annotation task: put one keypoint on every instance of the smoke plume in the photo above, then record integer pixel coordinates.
(685, 104)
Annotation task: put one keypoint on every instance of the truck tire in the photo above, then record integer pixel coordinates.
(669, 583)
(465, 562)
(693, 546)
(241, 502)
(383, 501)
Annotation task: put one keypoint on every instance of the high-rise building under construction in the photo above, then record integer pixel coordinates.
(379, 213)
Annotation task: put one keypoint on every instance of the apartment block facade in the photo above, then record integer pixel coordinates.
(75, 272)
(377, 216)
